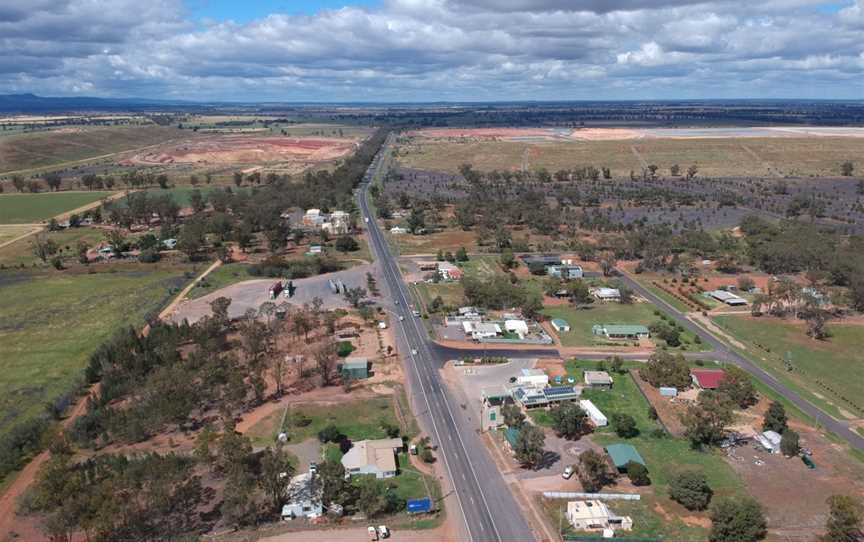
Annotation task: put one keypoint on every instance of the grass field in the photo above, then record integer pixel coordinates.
(357, 420)
(582, 320)
(21, 252)
(32, 208)
(42, 149)
(49, 325)
(451, 293)
(838, 362)
(662, 455)
(7, 233)
(714, 157)
(224, 275)
(430, 244)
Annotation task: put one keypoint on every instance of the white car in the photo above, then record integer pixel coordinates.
(568, 472)
(401, 318)
(383, 531)
(414, 351)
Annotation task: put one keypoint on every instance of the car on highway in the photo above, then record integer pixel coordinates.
(416, 313)
(568, 472)
(414, 351)
(401, 318)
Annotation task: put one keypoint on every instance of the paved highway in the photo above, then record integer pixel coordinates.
(486, 504)
(725, 353)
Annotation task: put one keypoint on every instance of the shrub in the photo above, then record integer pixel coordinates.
(690, 489)
(638, 474)
(330, 433)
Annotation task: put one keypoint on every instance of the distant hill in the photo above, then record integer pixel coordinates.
(30, 103)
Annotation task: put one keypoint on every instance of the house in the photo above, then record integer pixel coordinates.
(529, 397)
(544, 260)
(304, 498)
(448, 271)
(398, 230)
(535, 378)
(376, 457)
(355, 369)
(594, 515)
(594, 414)
(560, 325)
(707, 379)
(607, 294)
(481, 330)
(565, 272)
(598, 379)
(621, 331)
(517, 327)
(338, 224)
(621, 454)
(727, 297)
(314, 218)
(469, 312)
(494, 398)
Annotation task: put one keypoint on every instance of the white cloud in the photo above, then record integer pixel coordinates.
(436, 49)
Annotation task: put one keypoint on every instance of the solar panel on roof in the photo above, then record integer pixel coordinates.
(559, 390)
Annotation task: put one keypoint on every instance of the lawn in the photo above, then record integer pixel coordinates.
(50, 324)
(32, 208)
(582, 320)
(829, 369)
(662, 455)
(357, 420)
(224, 275)
(452, 293)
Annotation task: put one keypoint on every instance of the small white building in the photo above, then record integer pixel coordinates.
(519, 327)
(398, 230)
(594, 414)
(598, 379)
(770, 440)
(728, 298)
(607, 294)
(535, 378)
(594, 515)
(560, 325)
(481, 330)
(303, 498)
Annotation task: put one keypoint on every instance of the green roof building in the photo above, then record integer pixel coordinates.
(621, 331)
(621, 454)
(355, 369)
(511, 434)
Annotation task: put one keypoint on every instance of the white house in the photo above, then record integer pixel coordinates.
(398, 230)
(519, 327)
(598, 379)
(607, 294)
(376, 457)
(594, 515)
(303, 498)
(535, 378)
(594, 414)
(481, 330)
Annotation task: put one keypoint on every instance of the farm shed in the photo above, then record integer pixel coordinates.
(727, 297)
(560, 325)
(597, 417)
(621, 454)
(621, 331)
(355, 369)
(598, 379)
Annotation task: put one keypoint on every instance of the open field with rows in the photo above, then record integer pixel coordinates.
(32, 208)
(779, 156)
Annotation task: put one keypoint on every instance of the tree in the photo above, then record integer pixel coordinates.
(594, 471)
(461, 255)
(513, 416)
(191, 239)
(18, 183)
(844, 519)
(528, 448)
(775, 418)
(847, 168)
(690, 488)
(238, 178)
(675, 170)
(569, 421)
(737, 519)
(789, 443)
(617, 364)
(664, 369)
(416, 220)
(326, 360)
(579, 293)
(705, 422)
(692, 171)
(336, 489)
(638, 474)
(346, 243)
(624, 425)
(355, 296)
(736, 385)
(371, 497)
(276, 472)
(53, 181)
(43, 247)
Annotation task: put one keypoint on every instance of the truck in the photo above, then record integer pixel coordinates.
(276, 289)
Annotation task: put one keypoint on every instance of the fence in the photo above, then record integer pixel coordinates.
(592, 496)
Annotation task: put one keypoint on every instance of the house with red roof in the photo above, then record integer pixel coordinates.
(707, 379)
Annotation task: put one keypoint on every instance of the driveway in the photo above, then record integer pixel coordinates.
(251, 294)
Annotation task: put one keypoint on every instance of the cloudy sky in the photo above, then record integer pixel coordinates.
(427, 50)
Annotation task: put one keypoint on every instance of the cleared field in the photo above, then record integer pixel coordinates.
(31, 208)
(7, 233)
(49, 325)
(732, 156)
(829, 369)
(41, 149)
(430, 244)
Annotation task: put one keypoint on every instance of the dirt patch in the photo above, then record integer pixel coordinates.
(552, 366)
(668, 411)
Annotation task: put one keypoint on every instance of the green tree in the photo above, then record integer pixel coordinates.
(528, 448)
(569, 420)
(844, 519)
(346, 243)
(705, 422)
(737, 519)
(665, 369)
(416, 220)
(371, 497)
(789, 443)
(513, 416)
(624, 425)
(847, 168)
(43, 247)
(508, 261)
(690, 488)
(775, 418)
(617, 364)
(275, 475)
(638, 474)
(736, 385)
(335, 488)
(461, 255)
(594, 471)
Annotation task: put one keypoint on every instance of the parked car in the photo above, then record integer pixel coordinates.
(383, 531)
(416, 313)
(373, 533)
(568, 472)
